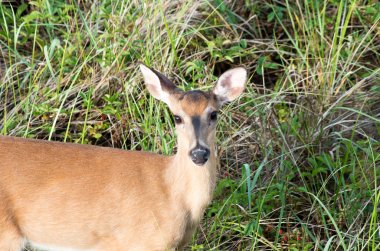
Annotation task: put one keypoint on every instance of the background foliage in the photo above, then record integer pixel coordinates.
(300, 150)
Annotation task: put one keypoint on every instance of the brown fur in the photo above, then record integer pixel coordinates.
(88, 197)
(194, 103)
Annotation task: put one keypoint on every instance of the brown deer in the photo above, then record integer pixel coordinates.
(60, 196)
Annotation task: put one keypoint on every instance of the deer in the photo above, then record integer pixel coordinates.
(65, 196)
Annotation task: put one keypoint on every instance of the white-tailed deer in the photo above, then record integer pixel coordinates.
(59, 196)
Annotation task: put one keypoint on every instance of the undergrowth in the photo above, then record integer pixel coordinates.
(299, 151)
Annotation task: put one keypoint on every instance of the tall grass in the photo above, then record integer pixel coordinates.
(299, 151)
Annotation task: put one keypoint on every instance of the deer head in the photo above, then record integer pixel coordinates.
(195, 112)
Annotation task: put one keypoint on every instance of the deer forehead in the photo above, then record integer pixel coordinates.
(195, 103)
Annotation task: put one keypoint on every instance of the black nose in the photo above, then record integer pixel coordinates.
(199, 155)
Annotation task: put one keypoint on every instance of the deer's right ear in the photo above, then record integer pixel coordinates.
(158, 85)
(230, 85)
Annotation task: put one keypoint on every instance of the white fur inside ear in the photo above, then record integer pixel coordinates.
(231, 84)
(153, 83)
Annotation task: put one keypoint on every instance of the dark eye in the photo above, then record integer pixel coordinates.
(177, 119)
(214, 116)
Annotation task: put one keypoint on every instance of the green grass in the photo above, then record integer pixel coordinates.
(300, 150)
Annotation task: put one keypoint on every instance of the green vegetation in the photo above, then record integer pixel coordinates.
(300, 150)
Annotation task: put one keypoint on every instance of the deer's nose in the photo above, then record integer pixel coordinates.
(199, 155)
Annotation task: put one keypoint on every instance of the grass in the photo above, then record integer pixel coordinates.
(299, 151)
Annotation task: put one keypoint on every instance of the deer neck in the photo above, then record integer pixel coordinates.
(192, 185)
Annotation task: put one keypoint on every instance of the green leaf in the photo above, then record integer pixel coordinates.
(97, 135)
(243, 43)
(328, 244)
(229, 59)
(318, 170)
(271, 16)
(32, 16)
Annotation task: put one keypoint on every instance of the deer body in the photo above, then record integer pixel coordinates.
(92, 189)
(61, 196)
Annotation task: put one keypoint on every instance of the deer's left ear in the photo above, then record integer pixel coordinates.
(230, 85)
(158, 85)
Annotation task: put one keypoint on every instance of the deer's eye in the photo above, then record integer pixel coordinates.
(213, 115)
(177, 119)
